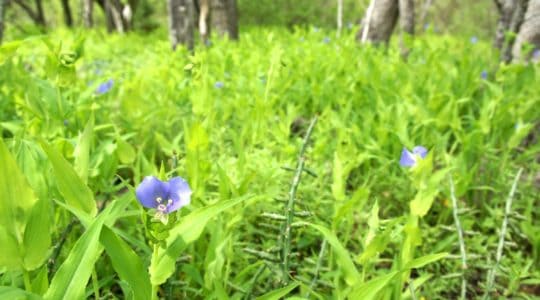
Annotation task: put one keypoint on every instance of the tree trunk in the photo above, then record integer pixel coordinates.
(204, 10)
(406, 17)
(40, 14)
(180, 23)
(339, 16)
(2, 11)
(381, 23)
(511, 15)
(224, 18)
(68, 19)
(529, 31)
(87, 13)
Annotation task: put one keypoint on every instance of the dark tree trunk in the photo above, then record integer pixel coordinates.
(224, 18)
(68, 19)
(40, 14)
(2, 11)
(529, 31)
(87, 13)
(181, 22)
(37, 16)
(521, 18)
(379, 21)
(406, 17)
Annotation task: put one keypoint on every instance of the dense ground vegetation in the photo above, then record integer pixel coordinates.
(119, 108)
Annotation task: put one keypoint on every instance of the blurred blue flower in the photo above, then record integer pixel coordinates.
(474, 40)
(484, 74)
(163, 196)
(104, 87)
(208, 43)
(219, 85)
(536, 54)
(66, 122)
(409, 159)
(326, 40)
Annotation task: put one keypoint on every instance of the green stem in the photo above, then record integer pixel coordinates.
(155, 287)
(26, 278)
(95, 284)
(289, 211)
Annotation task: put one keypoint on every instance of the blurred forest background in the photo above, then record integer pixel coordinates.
(468, 18)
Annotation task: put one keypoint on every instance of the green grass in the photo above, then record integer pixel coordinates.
(73, 148)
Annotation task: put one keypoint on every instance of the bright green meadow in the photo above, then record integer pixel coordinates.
(342, 221)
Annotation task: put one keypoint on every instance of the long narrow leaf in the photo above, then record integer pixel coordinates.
(343, 259)
(70, 185)
(186, 232)
(127, 264)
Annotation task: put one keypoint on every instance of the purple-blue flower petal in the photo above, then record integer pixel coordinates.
(407, 158)
(150, 190)
(179, 193)
(420, 150)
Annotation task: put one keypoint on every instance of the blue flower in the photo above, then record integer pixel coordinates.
(104, 87)
(326, 40)
(536, 54)
(163, 196)
(409, 159)
(484, 74)
(219, 85)
(474, 40)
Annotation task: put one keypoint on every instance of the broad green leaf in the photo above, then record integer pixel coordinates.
(72, 276)
(370, 289)
(373, 223)
(70, 185)
(127, 264)
(342, 255)
(40, 282)
(424, 260)
(11, 254)
(13, 293)
(16, 201)
(338, 184)
(17, 197)
(185, 232)
(37, 238)
(279, 293)
(126, 153)
(82, 151)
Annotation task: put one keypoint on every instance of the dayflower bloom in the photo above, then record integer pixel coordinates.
(163, 196)
(104, 87)
(409, 159)
(474, 40)
(536, 54)
(326, 40)
(484, 74)
(219, 85)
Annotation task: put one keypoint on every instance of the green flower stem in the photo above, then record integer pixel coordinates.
(155, 287)
(95, 284)
(26, 278)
